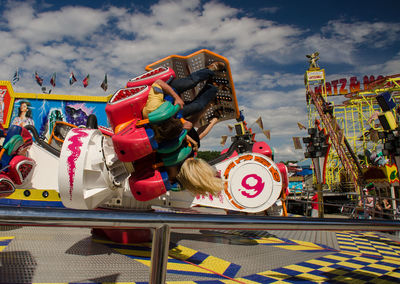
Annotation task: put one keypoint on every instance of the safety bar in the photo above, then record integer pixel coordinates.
(161, 223)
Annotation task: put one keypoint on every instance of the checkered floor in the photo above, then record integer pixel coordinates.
(363, 258)
(355, 258)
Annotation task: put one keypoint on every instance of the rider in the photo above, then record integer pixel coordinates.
(189, 109)
(177, 86)
(194, 174)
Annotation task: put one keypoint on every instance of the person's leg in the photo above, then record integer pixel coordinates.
(183, 84)
(206, 95)
(314, 213)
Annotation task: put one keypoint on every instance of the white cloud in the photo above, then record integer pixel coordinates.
(376, 34)
(68, 22)
(339, 41)
(8, 40)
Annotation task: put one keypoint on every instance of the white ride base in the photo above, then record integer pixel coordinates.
(91, 176)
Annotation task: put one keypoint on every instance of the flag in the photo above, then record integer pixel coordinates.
(391, 173)
(104, 85)
(301, 126)
(72, 78)
(260, 123)
(267, 134)
(86, 81)
(230, 127)
(297, 144)
(16, 77)
(38, 79)
(223, 140)
(53, 80)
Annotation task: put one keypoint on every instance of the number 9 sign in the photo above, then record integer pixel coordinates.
(253, 184)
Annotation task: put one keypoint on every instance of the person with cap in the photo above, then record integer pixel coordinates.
(368, 202)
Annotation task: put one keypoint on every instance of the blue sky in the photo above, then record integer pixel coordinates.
(265, 42)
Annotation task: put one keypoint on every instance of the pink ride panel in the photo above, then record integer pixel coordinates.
(20, 167)
(148, 78)
(131, 143)
(262, 148)
(6, 186)
(284, 173)
(126, 104)
(148, 187)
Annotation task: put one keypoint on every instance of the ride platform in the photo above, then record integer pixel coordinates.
(34, 254)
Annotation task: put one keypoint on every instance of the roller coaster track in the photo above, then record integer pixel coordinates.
(346, 155)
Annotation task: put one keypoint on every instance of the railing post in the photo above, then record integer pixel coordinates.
(320, 201)
(159, 254)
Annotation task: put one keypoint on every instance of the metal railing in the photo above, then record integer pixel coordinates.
(354, 207)
(162, 223)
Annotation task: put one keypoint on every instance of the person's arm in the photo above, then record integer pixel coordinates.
(187, 125)
(168, 90)
(378, 206)
(203, 133)
(195, 146)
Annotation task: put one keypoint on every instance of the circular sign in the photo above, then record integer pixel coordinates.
(251, 184)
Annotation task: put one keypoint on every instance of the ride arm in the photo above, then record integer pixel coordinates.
(240, 146)
(41, 142)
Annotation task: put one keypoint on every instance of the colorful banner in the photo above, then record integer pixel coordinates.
(345, 86)
(315, 75)
(43, 110)
(5, 101)
(391, 172)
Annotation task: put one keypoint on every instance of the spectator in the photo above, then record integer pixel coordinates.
(368, 202)
(387, 209)
(314, 206)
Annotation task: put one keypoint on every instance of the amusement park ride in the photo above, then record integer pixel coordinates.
(363, 129)
(99, 153)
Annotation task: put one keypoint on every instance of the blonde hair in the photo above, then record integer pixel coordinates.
(197, 176)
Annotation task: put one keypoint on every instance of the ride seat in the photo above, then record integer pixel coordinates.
(6, 186)
(20, 169)
(134, 140)
(163, 73)
(126, 104)
(133, 143)
(17, 138)
(148, 186)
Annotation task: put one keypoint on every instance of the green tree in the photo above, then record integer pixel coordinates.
(208, 155)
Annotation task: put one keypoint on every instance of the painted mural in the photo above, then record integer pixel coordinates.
(43, 113)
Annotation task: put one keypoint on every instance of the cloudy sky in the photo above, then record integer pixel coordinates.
(264, 41)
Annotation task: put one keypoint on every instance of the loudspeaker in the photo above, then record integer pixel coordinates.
(386, 101)
(387, 120)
